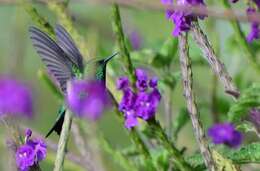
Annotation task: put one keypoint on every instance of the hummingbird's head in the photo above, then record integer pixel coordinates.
(101, 67)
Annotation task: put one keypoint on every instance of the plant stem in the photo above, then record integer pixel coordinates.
(64, 137)
(217, 66)
(118, 30)
(241, 39)
(135, 137)
(178, 159)
(186, 71)
(38, 19)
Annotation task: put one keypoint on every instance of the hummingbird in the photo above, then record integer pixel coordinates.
(64, 62)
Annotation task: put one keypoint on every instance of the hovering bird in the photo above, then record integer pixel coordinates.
(64, 62)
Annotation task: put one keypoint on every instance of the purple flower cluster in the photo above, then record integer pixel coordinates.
(15, 98)
(141, 104)
(87, 98)
(182, 20)
(255, 28)
(30, 153)
(225, 133)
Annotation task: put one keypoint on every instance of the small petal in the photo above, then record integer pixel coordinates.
(122, 83)
(130, 120)
(153, 82)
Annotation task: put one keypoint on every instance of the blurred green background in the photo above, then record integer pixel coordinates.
(93, 22)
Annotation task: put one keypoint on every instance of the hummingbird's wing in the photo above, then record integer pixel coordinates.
(53, 57)
(65, 41)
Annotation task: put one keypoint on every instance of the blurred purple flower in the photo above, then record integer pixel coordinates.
(225, 133)
(141, 104)
(30, 153)
(15, 98)
(167, 2)
(87, 98)
(255, 30)
(135, 39)
(182, 20)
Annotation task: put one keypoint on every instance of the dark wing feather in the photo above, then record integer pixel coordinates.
(65, 41)
(53, 57)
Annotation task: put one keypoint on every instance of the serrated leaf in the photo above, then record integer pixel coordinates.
(249, 98)
(246, 154)
(222, 163)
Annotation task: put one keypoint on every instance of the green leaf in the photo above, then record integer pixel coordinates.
(166, 54)
(246, 154)
(180, 122)
(249, 98)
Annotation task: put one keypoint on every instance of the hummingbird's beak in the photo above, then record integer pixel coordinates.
(110, 57)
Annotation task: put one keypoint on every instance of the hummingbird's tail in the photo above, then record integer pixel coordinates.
(57, 127)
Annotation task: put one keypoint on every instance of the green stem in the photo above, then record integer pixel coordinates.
(118, 30)
(241, 39)
(38, 19)
(64, 137)
(134, 136)
(178, 159)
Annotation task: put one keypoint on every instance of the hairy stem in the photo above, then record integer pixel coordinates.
(186, 71)
(64, 137)
(118, 30)
(217, 66)
(241, 39)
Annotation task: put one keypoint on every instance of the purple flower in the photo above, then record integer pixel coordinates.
(32, 152)
(142, 79)
(225, 133)
(40, 149)
(182, 20)
(141, 104)
(122, 83)
(128, 100)
(167, 2)
(130, 119)
(135, 40)
(153, 82)
(255, 30)
(25, 157)
(15, 98)
(28, 133)
(87, 98)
